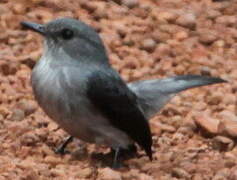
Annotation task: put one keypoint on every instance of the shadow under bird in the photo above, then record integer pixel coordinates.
(76, 86)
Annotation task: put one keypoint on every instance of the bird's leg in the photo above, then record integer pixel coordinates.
(130, 152)
(61, 148)
(116, 163)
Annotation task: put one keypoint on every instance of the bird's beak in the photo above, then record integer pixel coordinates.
(34, 26)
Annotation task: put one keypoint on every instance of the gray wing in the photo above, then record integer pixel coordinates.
(110, 95)
(155, 94)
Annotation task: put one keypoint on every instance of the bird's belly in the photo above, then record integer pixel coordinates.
(82, 122)
(77, 117)
(73, 112)
(70, 118)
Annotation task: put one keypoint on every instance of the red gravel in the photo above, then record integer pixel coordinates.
(194, 136)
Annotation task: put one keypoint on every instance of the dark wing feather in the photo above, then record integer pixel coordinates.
(108, 93)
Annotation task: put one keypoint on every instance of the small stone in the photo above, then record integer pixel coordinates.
(212, 14)
(186, 130)
(207, 36)
(109, 174)
(156, 129)
(219, 43)
(91, 7)
(85, 173)
(233, 175)
(223, 143)
(208, 123)
(148, 45)
(189, 122)
(159, 36)
(205, 71)
(100, 13)
(190, 167)
(181, 35)
(228, 123)
(167, 16)
(228, 115)
(180, 173)
(130, 3)
(145, 177)
(197, 177)
(29, 139)
(17, 115)
(230, 99)
(19, 8)
(222, 174)
(9, 68)
(165, 127)
(187, 20)
(230, 163)
(28, 106)
(227, 20)
(52, 160)
(215, 98)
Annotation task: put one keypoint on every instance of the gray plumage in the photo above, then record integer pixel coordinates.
(75, 85)
(155, 94)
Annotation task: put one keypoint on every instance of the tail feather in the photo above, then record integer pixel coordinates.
(154, 94)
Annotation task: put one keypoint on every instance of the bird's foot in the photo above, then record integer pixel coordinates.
(119, 153)
(128, 153)
(61, 148)
(116, 161)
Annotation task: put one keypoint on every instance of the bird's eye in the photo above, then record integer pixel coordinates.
(67, 34)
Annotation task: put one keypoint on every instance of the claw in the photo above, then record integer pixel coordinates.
(61, 148)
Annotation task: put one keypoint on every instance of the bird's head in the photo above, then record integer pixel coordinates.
(70, 36)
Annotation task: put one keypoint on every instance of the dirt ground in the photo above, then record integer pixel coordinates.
(194, 135)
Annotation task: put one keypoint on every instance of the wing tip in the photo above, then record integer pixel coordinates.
(149, 152)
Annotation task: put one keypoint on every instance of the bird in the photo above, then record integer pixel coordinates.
(77, 87)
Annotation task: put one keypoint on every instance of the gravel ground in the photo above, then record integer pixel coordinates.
(194, 136)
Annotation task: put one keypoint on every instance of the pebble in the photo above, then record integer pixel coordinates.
(227, 20)
(52, 160)
(212, 14)
(9, 68)
(223, 143)
(17, 115)
(148, 45)
(85, 173)
(228, 124)
(187, 20)
(145, 177)
(109, 174)
(130, 3)
(222, 174)
(186, 130)
(29, 139)
(208, 123)
(159, 36)
(215, 98)
(28, 106)
(100, 13)
(197, 177)
(165, 127)
(181, 35)
(205, 71)
(167, 16)
(207, 36)
(228, 115)
(234, 174)
(180, 173)
(19, 8)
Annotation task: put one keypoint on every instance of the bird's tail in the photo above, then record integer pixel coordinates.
(154, 94)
